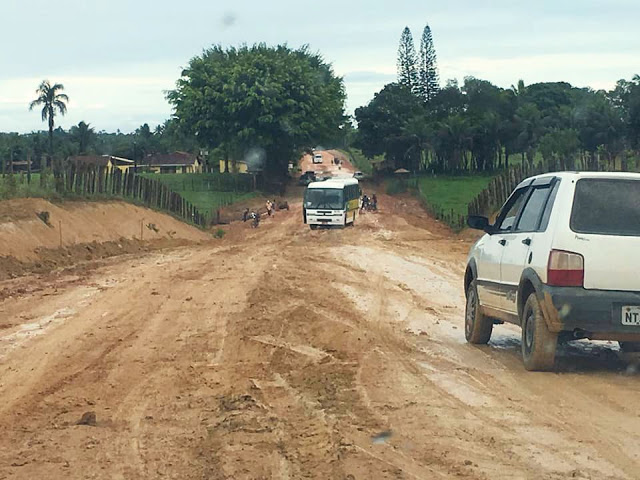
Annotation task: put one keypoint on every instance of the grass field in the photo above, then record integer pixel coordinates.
(207, 192)
(208, 202)
(19, 187)
(452, 193)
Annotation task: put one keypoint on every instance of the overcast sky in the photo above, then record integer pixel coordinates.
(117, 57)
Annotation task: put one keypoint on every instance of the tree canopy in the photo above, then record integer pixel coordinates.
(480, 127)
(276, 99)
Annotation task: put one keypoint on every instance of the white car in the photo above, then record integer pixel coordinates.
(358, 175)
(562, 262)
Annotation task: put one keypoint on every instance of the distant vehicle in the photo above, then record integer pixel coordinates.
(358, 175)
(558, 261)
(317, 158)
(332, 202)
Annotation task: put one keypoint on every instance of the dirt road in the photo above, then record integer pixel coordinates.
(285, 353)
(327, 167)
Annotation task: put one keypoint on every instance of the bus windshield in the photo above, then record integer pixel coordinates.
(330, 198)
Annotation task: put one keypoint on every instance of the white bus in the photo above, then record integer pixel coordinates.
(317, 157)
(332, 202)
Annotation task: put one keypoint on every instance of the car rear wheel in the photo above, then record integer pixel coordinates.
(477, 327)
(313, 227)
(538, 343)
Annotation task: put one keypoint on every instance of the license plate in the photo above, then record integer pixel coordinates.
(631, 315)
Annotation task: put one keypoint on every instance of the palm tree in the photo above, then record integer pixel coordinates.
(84, 134)
(52, 101)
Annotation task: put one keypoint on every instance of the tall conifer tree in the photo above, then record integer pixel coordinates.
(429, 82)
(407, 61)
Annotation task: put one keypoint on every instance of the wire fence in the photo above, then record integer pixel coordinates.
(499, 189)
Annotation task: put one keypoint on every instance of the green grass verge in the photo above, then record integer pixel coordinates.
(451, 193)
(208, 202)
(218, 182)
(207, 192)
(17, 186)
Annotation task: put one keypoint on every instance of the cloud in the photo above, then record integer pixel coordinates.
(580, 69)
(369, 77)
(108, 101)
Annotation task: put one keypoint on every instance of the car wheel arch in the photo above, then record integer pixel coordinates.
(529, 283)
(470, 274)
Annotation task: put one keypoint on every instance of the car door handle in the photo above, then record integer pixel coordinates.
(502, 242)
(527, 241)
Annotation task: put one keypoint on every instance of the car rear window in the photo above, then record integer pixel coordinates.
(607, 207)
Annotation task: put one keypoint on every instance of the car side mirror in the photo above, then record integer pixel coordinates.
(478, 222)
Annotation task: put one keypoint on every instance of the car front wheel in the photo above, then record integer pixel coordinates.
(477, 327)
(538, 343)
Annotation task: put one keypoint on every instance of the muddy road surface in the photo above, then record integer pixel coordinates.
(285, 353)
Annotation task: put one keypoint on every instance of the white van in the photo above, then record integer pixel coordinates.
(317, 158)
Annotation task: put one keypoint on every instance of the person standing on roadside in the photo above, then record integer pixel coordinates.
(245, 215)
(374, 202)
(269, 205)
(365, 203)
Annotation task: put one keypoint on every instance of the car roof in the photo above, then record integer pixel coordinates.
(579, 175)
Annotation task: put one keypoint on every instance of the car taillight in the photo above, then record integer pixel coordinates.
(565, 269)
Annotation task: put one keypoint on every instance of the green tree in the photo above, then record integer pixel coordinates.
(83, 135)
(428, 79)
(52, 101)
(558, 148)
(599, 128)
(407, 62)
(383, 126)
(145, 142)
(453, 137)
(271, 98)
(626, 100)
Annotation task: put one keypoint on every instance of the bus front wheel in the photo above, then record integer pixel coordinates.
(313, 227)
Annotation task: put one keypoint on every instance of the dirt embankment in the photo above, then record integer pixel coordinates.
(37, 235)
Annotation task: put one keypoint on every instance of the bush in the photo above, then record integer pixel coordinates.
(219, 233)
